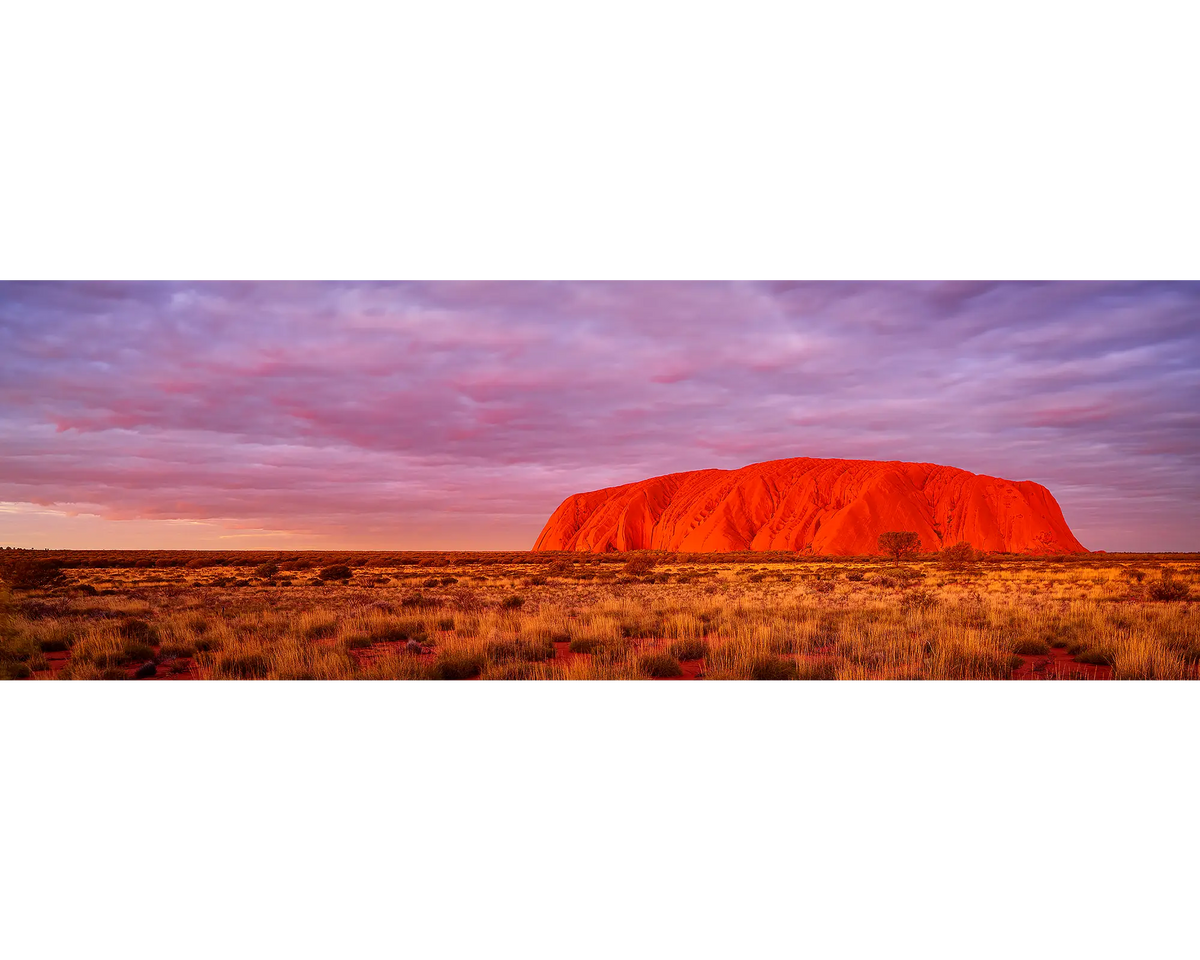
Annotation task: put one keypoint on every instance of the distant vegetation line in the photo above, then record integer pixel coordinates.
(199, 559)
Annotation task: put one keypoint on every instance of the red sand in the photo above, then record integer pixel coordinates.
(822, 507)
(59, 659)
(1058, 664)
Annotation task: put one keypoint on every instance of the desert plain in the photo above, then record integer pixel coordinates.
(177, 615)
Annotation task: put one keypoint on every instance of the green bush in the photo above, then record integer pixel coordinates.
(337, 571)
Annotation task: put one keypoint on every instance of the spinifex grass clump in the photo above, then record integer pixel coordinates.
(659, 664)
(1097, 656)
(518, 670)
(457, 666)
(502, 651)
(395, 667)
(139, 630)
(773, 668)
(689, 649)
(1030, 647)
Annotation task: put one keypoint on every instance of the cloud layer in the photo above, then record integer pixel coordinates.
(399, 415)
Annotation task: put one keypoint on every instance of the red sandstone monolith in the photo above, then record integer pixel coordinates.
(823, 507)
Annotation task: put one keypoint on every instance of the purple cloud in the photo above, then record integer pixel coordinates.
(460, 414)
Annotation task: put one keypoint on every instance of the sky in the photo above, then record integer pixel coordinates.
(398, 416)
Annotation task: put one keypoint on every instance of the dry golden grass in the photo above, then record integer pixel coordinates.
(546, 616)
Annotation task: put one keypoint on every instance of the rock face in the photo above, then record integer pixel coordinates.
(824, 507)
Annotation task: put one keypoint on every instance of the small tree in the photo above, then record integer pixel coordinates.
(958, 556)
(899, 544)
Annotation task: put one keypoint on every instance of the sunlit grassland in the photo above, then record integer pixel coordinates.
(615, 617)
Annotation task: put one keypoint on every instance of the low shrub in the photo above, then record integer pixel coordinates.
(919, 600)
(1030, 647)
(337, 571)
(512, 602)
(1168, 589)
(639, 566)
(958, 556)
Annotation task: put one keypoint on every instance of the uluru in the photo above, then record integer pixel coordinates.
(813, 506)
